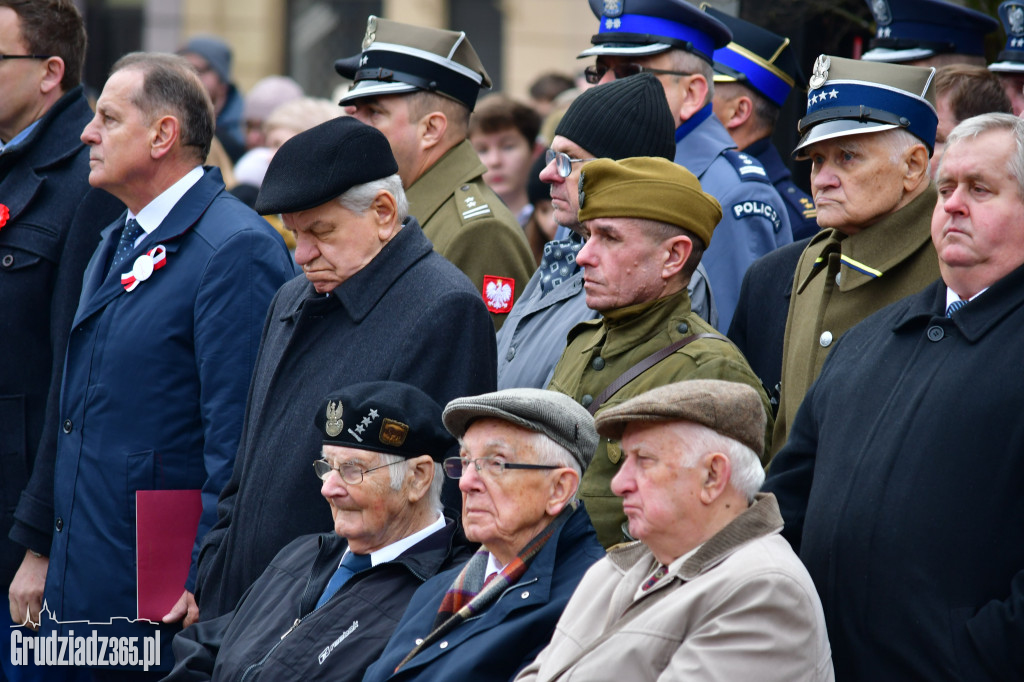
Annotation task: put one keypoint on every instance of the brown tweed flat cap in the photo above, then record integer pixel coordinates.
(732, 409)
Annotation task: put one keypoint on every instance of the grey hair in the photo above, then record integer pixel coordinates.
(747, 473)
(359, 198)
(691, 63)
(548, 452)
(398, 471)
(976, 125)
(898, 142)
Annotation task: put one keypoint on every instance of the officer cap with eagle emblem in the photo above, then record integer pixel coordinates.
(637, 28)
(909, 30)
(384, 416)
(401, 58)
(1011, 59)
(851, 97)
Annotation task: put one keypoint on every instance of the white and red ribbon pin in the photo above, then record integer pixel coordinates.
(144, 267)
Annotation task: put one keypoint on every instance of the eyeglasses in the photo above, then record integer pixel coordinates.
(350, 473)
(489, 466)
(595, 73)
(24, 56)
(563, 162)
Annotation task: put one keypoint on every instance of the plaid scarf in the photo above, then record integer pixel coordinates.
(468, 596)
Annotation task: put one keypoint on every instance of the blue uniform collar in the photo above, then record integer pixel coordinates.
(694, 121)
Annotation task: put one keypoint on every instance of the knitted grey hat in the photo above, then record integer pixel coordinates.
(621, 119)
(214, 50)
(730, 408)
(553, 414)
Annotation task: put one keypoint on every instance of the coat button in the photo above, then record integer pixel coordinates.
(935, 333)
(443, 645)
(838, 278)
(524, 595)
(465, 188)
(586, 400)
(825, 339)
(59, 524)
(598, 364)
(683, 328)
(8, 260)
(510, 354)
(419, 640)
(67, 426)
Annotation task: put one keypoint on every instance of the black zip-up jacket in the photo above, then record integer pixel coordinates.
(277, 633)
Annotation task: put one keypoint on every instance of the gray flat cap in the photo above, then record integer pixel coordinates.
(553, 414)
(732, 409)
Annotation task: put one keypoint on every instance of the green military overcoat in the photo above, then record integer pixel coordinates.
(470, 226)
(842, 279)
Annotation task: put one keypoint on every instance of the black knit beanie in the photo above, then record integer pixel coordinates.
(625, 118)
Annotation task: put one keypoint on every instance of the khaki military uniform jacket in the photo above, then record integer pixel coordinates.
(470, 226)
(841, 280)
(598, 351)
(742, 607)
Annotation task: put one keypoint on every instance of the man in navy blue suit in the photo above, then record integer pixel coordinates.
(162, 345)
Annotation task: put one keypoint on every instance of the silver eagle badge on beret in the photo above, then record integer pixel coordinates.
(334, 423)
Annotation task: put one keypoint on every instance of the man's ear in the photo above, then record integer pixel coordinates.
(419, 474)
(384, 210)
(695, 93)
(716, 470)
(432, 128)
(164, 132)
(563, 487)
(740, 109)
(54, 75)
(916, 160)
(678, 250)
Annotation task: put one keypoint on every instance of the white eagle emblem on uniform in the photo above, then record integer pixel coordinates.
(499, 293)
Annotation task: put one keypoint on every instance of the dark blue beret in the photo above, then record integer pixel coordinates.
(384, 416)
(322, 163)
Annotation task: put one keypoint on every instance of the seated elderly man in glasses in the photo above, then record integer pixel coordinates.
(327, 603)
(523, 453)
(711, 590)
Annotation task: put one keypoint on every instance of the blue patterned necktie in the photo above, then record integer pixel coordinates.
(558, 263)
(954, 306)
(126, 244)
(351, 564)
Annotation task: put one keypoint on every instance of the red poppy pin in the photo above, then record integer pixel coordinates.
(5, 213)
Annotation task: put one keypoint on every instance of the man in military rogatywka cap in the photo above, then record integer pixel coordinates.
(675, 41)
(647, 223)
(927, 33)
(868, 133)
(754, 75)
(616, 120)
(337, 595)
(418, 85)
(375, 303)
(1009, 65)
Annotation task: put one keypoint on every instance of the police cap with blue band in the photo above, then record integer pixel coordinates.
(401, 58)
(757, 58)
(850, 97)
(637, 28)
(909, 30)
(1011, 59)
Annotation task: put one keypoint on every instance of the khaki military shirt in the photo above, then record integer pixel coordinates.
(470, 226)
(600, 350)
(841, 280)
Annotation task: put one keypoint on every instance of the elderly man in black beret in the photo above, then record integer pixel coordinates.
(376, 303)
(523, 451)
(325, 606)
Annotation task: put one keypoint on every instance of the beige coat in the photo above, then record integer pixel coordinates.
(741, 608)
(841, 280)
